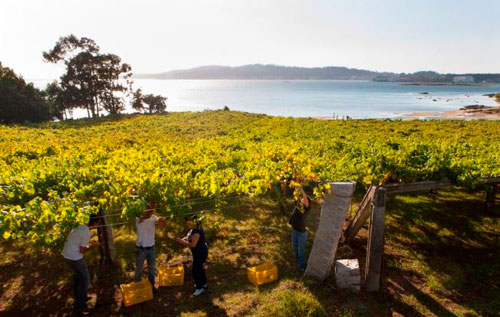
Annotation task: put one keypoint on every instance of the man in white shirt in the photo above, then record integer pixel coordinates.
(77, 243)
(145, 245)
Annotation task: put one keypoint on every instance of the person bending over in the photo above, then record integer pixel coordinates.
(195, 240)
(77, 243)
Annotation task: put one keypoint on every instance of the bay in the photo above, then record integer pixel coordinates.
(312, 98)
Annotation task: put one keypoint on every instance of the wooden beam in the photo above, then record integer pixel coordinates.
(414, 187)
(490, 197)
(428, 185)
(375, 247)
(492, 180)
(362, 214)
(106, 241)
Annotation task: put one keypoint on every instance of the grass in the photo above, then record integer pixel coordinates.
(440, 260)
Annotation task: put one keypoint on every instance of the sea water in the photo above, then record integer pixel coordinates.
(312, 98)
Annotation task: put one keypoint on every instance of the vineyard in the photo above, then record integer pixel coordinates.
(54, 175)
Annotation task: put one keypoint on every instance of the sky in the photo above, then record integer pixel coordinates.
(449, 36)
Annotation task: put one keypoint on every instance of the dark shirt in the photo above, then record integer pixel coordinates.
(298, 218)
(199, 248)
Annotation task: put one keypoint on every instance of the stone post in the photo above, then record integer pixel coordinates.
(333, 215)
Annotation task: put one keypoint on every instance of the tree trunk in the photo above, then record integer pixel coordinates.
(96, 105)
(93, 110)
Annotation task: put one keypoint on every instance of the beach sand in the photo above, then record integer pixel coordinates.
(489, 113)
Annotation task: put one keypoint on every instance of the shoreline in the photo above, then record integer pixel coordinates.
(486, 113)
(447, 84)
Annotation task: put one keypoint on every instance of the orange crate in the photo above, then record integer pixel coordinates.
(171, 276)
(262, 274)
(138, 292)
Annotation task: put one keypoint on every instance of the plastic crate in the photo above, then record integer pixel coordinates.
(138, 292)
(171, 276)
(262, 274)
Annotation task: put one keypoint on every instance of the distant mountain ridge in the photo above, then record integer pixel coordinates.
(261, 71)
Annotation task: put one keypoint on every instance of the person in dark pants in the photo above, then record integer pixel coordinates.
(195, 240)
(77, 243)
(299, 232)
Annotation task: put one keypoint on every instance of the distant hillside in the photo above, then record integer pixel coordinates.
(259, 71)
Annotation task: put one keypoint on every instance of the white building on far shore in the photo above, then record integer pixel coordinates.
(463, 80)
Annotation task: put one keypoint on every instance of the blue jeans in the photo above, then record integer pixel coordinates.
(299, 240)
(81, 281)
(140, 256)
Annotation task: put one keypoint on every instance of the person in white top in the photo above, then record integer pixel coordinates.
(145, 245)
(77, 243)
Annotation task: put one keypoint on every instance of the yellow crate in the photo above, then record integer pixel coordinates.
(262, 274)
(171, 276)
(138, 292)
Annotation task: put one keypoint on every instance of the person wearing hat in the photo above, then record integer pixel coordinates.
(195, 240)
(78, 243)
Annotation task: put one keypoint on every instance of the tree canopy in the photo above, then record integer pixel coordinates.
(93, 80)
(22, 102)
(149, 102)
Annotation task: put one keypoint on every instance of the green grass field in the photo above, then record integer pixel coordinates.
(441, 259)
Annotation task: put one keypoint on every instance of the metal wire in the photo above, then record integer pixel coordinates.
(170, 207)
(116, 212)
(112, 224)
(175, 216)
(179, 205)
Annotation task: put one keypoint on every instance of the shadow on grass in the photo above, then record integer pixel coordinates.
(450, 250)
(42, 284)
(440, 249)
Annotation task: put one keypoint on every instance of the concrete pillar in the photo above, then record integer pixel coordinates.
(333, 215)
(347, 274)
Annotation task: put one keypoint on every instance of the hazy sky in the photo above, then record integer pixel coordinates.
(155, 36)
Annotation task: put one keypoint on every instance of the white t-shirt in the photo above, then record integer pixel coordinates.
(146, 232)
(78, 237)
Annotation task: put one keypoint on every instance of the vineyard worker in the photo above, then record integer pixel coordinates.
(77, 243)
(299, 233)
(195, 240)
(145, 245)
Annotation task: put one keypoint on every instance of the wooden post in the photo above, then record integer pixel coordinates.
(490, 197)
(362, 214)
(107, 244)
(375, 247)
(282, 197)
